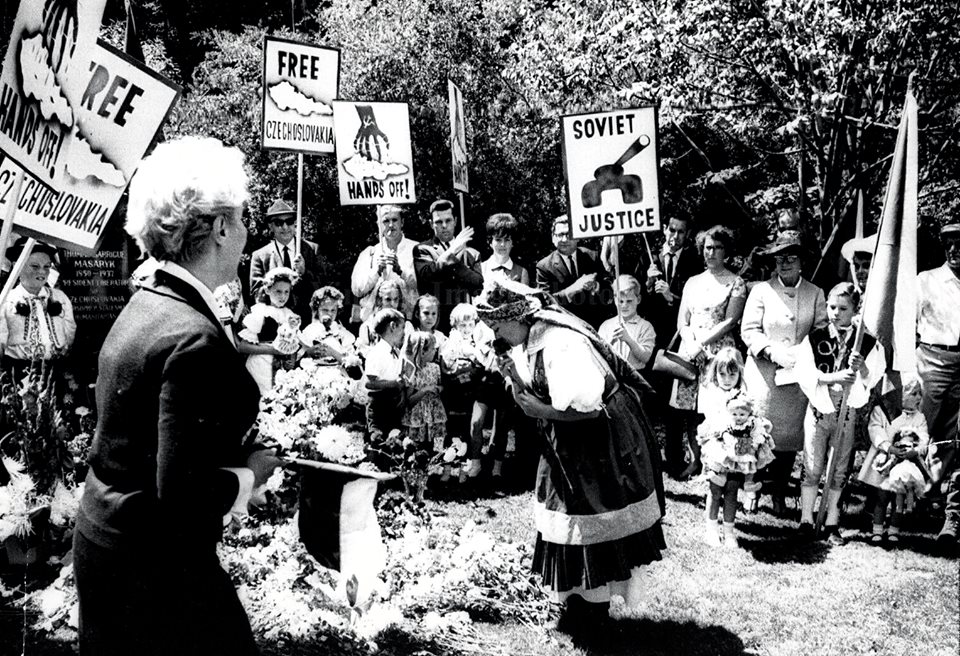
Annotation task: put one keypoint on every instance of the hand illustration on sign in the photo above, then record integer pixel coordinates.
(611, 177)
(371, 158)
(370, 135)
(60, 32)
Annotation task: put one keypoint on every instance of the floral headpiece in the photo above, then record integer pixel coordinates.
(507, 300)
(280, 274)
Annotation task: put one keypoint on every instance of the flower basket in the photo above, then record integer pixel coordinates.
(30, 548)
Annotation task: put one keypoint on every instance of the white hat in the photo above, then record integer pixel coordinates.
(858, 245)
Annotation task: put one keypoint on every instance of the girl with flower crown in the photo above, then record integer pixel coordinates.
(37, 322)
(271, 328)
(599, 492)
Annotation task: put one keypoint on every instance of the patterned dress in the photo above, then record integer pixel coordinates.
(706, 299)
(427, 420)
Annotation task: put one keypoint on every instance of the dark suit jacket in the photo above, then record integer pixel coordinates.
(452, 284)
(175, 403)
(654, 307)
(266, 258)
(553, 276)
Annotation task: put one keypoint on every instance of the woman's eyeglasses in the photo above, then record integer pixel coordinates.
(280, 222)
(786, 259)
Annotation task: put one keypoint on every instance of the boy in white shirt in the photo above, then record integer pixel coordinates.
(631, 336)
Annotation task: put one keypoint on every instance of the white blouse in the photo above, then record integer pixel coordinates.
(575, 372)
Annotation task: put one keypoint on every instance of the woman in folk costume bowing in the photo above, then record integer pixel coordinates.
(599, 493)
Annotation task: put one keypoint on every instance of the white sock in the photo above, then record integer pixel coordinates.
(497, 468)
(808, 499)
(833, 507)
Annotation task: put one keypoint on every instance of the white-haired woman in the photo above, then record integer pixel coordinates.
(171, 457)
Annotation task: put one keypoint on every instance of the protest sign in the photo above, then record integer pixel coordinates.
(458, 139)
(375, 159)
(610, 160)
(300, 82)
(124, 105)
(42, 88)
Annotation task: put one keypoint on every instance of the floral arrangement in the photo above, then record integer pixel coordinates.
(303, 402)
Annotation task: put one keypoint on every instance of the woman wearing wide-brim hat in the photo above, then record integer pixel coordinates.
(779, 313)
(36, 320)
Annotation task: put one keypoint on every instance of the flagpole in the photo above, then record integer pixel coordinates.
(898, 170)
(299, 200)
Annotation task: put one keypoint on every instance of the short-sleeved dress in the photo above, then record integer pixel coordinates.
(427, 420)
(706, 298)
(599, 493)
(269, 325)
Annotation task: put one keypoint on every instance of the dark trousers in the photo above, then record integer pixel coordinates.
(157, 602)
(384, 413)
(777, 473)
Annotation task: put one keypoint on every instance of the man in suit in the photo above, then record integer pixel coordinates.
(574, 276)
(282, 251)
(677, 262)
(446, 267)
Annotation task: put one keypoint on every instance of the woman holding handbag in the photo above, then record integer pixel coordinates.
(710, 309)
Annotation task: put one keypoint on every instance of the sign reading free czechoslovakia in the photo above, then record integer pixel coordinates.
(611, 164)
(124, 103)
(300, 83)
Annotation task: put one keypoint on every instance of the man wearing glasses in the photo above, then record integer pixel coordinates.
(282, 251)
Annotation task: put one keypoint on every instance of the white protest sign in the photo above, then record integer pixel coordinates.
(300, 82)
(75, 214)
(611, 165)
(374, 157)
(45, 72)
(458, 139)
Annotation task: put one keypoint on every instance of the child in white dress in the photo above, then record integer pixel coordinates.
(893, 464)
(271, 328)
(425, 419)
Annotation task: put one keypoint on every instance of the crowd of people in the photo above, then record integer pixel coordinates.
(743, 371)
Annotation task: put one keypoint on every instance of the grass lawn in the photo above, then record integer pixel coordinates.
(773, 596)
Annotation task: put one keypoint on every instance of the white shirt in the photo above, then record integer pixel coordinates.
(383, 362)
(366, 275)
(639, 329)
(938, 307)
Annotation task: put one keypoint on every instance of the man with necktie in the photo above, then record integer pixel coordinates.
(282, 251)
(573, 274)
(446, 267)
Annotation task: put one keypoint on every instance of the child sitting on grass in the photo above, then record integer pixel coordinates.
(893, 464)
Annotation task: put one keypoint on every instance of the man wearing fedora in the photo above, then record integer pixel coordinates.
(938, 365)
(282, 251)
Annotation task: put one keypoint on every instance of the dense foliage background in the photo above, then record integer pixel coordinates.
(763, 104)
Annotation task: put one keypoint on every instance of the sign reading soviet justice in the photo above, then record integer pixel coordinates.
(300, 82)
(610, 159)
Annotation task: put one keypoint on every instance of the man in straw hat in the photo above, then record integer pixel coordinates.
(282, 251)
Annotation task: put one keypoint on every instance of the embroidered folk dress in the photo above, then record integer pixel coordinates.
(36, 326)
(599, 495)
(267, 324)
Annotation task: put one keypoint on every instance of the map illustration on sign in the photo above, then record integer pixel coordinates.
(611, 166)
(300, 83)
(288, 97)
(374, 152)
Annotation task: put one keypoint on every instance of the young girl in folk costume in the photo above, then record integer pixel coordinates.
(893, 464)
(426, 316)
(425, 419)
(827, 367)
(271, 328)
(388, 295)
(326, 338)
(735, 443)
